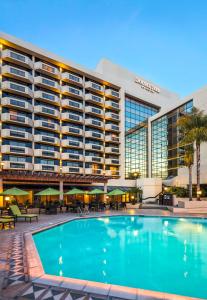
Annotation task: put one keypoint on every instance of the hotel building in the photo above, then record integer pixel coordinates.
(62, 124)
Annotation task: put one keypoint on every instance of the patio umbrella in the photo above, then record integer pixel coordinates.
(48, 192)
(14, 192)
(75, 192)
(96, 192)
(115, 193)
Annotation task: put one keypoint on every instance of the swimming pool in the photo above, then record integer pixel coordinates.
(156, 253)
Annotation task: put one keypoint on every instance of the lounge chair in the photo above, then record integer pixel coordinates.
(7, 221)
(18, 215)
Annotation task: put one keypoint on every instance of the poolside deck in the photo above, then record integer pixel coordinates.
(15, 282)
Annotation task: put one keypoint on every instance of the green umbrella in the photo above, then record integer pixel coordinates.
(49, 192)
(96, 192)
(75, 192)
(116, 192)
(14, 192)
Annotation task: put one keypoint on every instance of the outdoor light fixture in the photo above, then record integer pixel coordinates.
(199, 192)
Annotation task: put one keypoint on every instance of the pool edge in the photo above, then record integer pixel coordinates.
(37, 274)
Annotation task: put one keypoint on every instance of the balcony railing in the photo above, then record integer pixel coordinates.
(17, 103)
(94, 159)
(112, 116)
(71, 130)
(46, 139)
(19, 89)
(94, 147)
(98, 88)
(71, 78)
(112, 127)
(16, 150)
(94, 111)
(9, 165)
(94, 135)
(72, 144)
(46, 168)
(44, 110)
(112, 94)
(16, 73)
(46, 125)
(112, 105)
(47, 97)
(112, 139)
(17, 58)
(67, 116)
(17, 134)
(72, 104)
(47, 83)
(94, 99)
(112, 161)
(94, 171)
(69, 90)
(71, 156)
(47, 153)
(47, 69)
(113, 150)
(15, 118)
(71, 170)
(94, 123)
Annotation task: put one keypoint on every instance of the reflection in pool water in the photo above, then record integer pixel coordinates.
(157, 253)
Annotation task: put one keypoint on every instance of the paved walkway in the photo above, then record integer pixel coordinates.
(14, 280)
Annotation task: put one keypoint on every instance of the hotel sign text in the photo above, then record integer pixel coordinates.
(147, 86)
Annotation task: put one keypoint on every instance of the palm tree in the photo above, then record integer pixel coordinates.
(193, 128)
(188, 162)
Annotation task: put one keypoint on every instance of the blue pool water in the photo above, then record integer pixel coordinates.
(156, 253)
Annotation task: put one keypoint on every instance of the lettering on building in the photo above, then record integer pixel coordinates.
(147, 86)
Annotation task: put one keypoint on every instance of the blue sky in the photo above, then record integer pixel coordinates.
(162, 40)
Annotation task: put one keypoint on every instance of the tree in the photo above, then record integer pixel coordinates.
(193, 128)
(188, 162)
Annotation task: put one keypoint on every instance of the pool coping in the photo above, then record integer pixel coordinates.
(37, 274)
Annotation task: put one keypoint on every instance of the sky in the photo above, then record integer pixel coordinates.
(164, 41)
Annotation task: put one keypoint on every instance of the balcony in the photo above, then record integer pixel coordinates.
(72, 104)
(8, 165)
(112, 116)
(111, 139)
(92, 86)
(112, 173)
(94, 135)
(67, 116)
(94, 99)
(17, 58)
(72, 144)
(47, 153)
(16, 134)
(46, 125)
(46, 69)
(71, 91)
(94, 159)
(94, 147)
(71, 78)
(47, 83)
(112, 127)
(94, 123)
(17, 88)
(72, 130)
(16, 73)
(47, 97)
(112, 150)
(90, 171)
(94, 111)
(71, 156)
(112, 161)
(16, 150)
(112, 105)
(72, 170)
(46, 139)
(46, 168)
(16, 103)
(112, 94)
(17, 119)
(47, 111)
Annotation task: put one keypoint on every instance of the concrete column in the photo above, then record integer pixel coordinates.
(1, 190)
(105, 191)
(61, 190)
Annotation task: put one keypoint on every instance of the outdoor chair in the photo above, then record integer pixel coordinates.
(7, 221)
(18, 215)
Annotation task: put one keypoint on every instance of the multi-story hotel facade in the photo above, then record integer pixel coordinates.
(62, 124)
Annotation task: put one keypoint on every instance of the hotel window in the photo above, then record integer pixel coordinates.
(136, 137)
(166, 153)
(17, 56)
